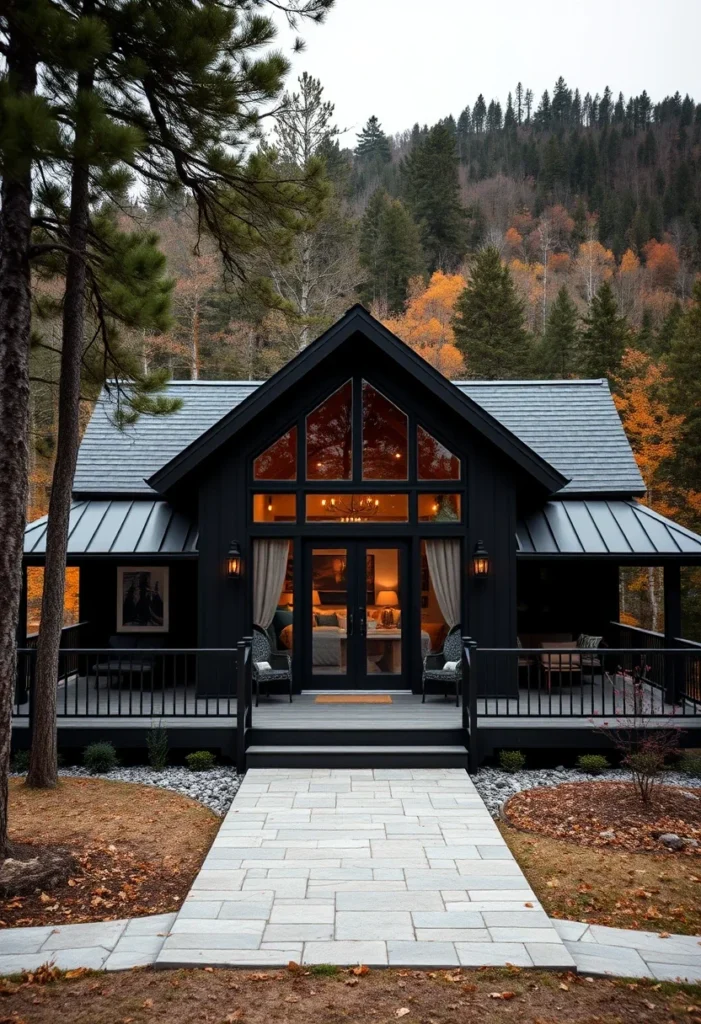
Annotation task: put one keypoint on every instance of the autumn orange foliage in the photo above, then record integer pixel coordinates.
(425, 324)
(662, 261)
(35, 586)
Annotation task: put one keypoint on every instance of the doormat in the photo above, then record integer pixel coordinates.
(370, 698)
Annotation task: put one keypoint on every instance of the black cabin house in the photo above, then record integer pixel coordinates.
(357, 514)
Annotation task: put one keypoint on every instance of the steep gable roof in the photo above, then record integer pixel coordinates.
(572, 425)
(312, 359)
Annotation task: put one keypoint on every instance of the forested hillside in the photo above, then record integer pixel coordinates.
(527, 237)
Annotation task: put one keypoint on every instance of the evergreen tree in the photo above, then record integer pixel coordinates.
(373, 144)
(685, 364)
(558, 350)
(488, 323)
(645, 337)
(604, 337)
(433, 193)
(668, 329)
(390, 252)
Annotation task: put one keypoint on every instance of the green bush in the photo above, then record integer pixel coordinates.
(200, 761)
(20, 762)
(690, 764)
(157, 746)
(100, 758)
(593, 764)
(511, 760)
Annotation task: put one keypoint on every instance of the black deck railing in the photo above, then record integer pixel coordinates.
(635, 637)
(244, 699)
(141, 682)
(587, 683)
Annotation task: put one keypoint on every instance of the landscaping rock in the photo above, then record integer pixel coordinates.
(495, 788)
(607, 834)
(672, 841)
(693, 843)
(215, 789)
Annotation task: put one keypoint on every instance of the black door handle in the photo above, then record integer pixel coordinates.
(362, 625)
(349, 630)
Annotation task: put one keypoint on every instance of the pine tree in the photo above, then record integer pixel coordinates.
(668, 329)
(488, 324)
(558, 351)
(433, 193)
(390, 252)
(604, 337)
(685, 364)
(373, 144)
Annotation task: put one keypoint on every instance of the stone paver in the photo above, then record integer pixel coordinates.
(626, 953)
(398, 867)
(111, 945)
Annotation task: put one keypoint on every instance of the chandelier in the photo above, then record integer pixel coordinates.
(353, 509)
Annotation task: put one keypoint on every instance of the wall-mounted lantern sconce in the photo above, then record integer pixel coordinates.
(233, 561)
(480, 560)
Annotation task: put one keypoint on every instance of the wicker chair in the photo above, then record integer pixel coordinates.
(434, 671)
(280, 670)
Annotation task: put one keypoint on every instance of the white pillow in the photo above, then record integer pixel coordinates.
(372, 624)
(263, 666)
(342, 621)
(450, 666)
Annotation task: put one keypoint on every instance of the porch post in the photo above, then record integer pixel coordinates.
(672, 627)
(22, 660)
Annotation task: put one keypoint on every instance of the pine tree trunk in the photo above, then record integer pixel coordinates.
(195, 357)
(15, 323)
(43, 768)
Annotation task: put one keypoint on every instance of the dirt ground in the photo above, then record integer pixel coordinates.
(343, 997)
(138, 849)
(655, 892)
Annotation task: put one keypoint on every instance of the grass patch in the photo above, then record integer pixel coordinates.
(654, 892)
(138, 849)
(324, 970)
(303, 996)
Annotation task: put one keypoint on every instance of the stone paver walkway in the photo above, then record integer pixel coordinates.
(630, 954)
(380, 866)
(110, 945)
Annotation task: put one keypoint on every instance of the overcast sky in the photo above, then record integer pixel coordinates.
(409, 60)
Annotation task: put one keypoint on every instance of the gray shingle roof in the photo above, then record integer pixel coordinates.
(573, 425)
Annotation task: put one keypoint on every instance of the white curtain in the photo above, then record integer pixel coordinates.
(443, 557)
(269, 568)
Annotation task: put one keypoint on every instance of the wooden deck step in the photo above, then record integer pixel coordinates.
(355, 756)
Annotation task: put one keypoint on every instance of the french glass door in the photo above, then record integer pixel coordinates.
(355, 596)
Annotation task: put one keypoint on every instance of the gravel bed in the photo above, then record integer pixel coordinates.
(215, 788)
(496, 786)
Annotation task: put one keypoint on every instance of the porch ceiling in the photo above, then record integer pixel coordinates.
(619, 528)
(119, 528)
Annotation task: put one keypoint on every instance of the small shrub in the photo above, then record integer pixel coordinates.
(20, 762)
(157, 747)
(100, 758)
(593, 764)
(511, 760)
(645, 765)
(690, 764)
(200, 761)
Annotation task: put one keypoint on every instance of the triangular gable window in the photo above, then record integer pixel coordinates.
(385, 433)
(435, 461)
(279, 461)
(329, 437)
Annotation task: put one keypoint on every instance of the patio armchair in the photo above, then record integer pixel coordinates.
(568, 663)
(264, 652)
(112, 665)
(444, 670)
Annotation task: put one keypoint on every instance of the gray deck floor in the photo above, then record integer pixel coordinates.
(79, 702)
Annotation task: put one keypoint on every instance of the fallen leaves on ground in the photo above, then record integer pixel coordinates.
(138, 849)
(581, 811)
(189, 996)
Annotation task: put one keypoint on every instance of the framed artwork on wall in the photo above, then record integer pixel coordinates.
(143, 599)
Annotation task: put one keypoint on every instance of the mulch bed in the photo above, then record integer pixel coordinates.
(581, 811)
(354, 996)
